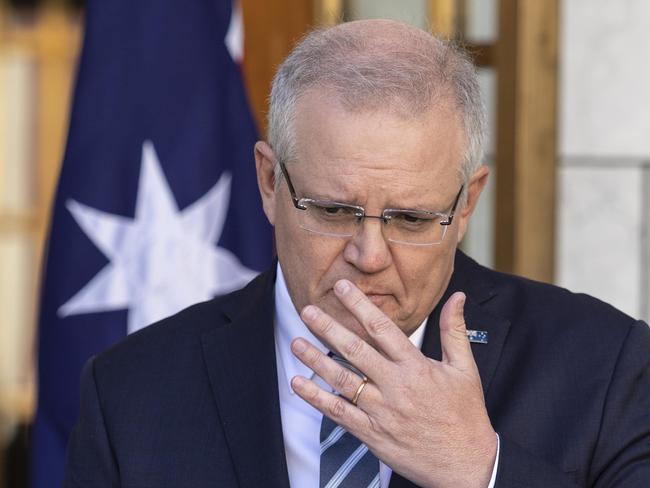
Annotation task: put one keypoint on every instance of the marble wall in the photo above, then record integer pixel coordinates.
(605, 78)
(409, 11)
(603, 243)
(603, 228)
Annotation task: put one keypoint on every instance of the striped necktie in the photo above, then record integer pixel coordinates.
(345, 461)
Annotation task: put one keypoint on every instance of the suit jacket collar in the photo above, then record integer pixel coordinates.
(241, 365)
(479, 287)
(240, 360)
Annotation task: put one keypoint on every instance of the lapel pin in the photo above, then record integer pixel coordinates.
(477, 336)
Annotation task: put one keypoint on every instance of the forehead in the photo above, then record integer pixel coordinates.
(362, 153)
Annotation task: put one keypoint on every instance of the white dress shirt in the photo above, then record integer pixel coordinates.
(301, 423)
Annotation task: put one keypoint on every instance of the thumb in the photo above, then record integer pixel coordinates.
(456, 350)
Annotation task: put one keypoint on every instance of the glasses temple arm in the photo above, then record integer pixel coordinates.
(450, 217)
(292, 191)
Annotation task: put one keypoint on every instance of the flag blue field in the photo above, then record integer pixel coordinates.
(157, 204)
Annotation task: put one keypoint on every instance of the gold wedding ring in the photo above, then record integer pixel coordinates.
(363, 384)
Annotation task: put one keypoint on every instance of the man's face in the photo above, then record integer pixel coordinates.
(377, 160)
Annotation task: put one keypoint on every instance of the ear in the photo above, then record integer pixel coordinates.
(474, 188)
(264, 164)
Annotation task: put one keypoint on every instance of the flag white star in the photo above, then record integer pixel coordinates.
(234, 39)
(164, 259)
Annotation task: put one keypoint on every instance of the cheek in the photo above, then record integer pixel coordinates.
(425, 274)
(306, 260)
(309, 252)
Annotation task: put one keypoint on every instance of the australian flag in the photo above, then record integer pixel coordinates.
(157, 205)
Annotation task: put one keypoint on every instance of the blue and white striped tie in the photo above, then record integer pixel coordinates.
(345, 461)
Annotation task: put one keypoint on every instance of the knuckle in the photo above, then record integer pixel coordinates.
(314, 396)
(314, 357)
(354, 348)
(424, 369)
(358, 301)
(455, 329)
(374, 426)
(460, 336)
(456, 325)
(343, 379)
(326, 325)
(337, 407)
(379, 324)
(460, 325)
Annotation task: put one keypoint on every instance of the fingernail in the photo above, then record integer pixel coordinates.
(299, 345)
(309, 312)
(342, 286)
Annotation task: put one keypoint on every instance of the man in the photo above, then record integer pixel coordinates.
(370, 175)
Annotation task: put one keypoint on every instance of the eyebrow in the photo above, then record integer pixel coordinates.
(414, 208)
(421, 208)
(346, 197)
(323, 194)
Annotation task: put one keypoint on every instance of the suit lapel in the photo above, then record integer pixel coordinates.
(479, 288)
(240, 360)
(476, 283)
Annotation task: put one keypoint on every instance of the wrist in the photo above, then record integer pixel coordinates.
(486, 462)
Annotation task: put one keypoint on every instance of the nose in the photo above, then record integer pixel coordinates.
(368, 250)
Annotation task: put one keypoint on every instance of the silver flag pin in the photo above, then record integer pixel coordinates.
(477, 336)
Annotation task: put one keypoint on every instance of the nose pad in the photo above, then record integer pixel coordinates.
(368, 250)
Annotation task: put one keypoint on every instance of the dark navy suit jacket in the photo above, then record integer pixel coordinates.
(192, 401)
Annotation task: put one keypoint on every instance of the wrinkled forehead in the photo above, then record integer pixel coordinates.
(397, 102)
(377, 148)
(327, 121)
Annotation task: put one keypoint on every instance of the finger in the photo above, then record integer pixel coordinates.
(387, 336)
(341, 379)
(351, 418)
(349, 345)
(456, 349)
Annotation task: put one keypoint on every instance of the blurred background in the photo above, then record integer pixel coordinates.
(566, 83)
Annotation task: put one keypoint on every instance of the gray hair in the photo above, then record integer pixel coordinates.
(378, 64)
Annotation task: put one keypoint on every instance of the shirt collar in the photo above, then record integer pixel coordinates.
(289, 325)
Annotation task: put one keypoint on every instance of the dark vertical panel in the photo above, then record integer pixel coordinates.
(506, 56)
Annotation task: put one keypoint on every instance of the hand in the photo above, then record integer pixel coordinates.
(425, 419)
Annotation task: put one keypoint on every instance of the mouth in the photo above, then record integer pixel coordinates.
(379, 299)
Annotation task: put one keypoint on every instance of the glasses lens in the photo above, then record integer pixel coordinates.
(329, 218)
(341, 220)
(412, 227)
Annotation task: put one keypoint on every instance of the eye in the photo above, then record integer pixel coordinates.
(331, 210)
(410, 218)
(413, 220)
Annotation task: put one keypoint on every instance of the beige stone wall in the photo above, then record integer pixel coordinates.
(604, 127)
(38, 52)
